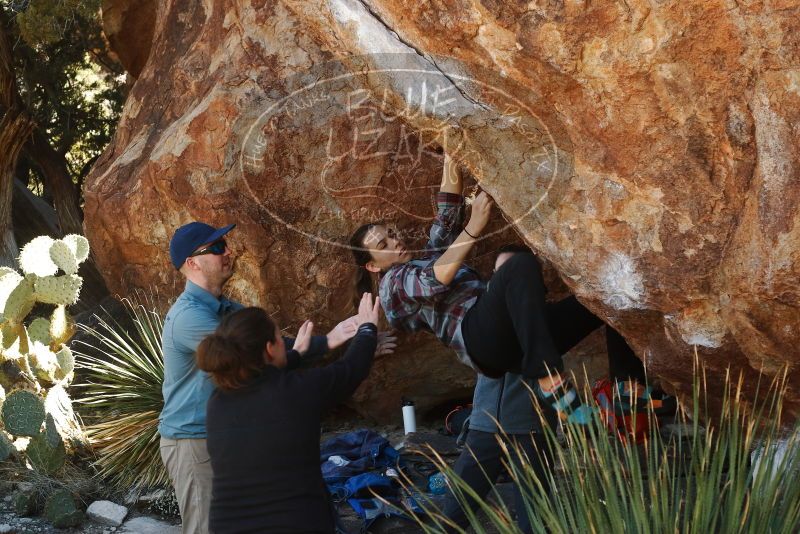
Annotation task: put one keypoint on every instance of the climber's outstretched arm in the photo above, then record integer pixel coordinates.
(447, 265)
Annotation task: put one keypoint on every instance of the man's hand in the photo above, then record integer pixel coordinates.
(342, 332)
(303, 339)
(387, 342)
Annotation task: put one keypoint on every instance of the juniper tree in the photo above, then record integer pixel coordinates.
(60, 97)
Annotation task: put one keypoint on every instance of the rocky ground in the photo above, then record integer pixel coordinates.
(136, 515)
(139, 519)
(135, 522)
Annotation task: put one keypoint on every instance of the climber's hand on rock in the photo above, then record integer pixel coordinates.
(481, 209)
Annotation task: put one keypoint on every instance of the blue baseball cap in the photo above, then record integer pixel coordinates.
(189, 237)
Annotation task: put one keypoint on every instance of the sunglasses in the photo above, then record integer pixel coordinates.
(217, 248)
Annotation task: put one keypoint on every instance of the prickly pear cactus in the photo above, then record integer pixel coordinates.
(6, 447)
(34, 258)
(26, 503)
(62, 510)
(60, 326)
(79, 246)
(63, 256)
(20, 301)
(23, 413)
(36, 365)
(39, 330)
(66, 363)
(62, 289)
(46, 451)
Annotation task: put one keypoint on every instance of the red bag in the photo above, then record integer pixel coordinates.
(618, 415)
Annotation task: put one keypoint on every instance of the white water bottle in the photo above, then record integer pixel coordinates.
(409, 417)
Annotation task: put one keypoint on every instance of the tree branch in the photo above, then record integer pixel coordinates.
(58, 180)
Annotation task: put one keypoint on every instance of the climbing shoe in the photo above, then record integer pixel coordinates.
(564, 399)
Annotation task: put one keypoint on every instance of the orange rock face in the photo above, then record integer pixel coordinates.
(649, 151)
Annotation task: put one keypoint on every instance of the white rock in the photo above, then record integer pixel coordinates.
(148, 525)
(6, 529)
(152, 496)
(107, 513)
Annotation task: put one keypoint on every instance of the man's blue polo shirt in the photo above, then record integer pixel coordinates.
(195, 314)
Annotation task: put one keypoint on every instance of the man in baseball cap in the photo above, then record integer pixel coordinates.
(199, 251)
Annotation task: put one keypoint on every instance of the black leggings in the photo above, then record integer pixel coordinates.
(512, 329)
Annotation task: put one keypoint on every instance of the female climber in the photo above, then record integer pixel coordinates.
(499, 328)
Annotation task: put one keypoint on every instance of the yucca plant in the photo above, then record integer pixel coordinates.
(123, 370)
(737, 472)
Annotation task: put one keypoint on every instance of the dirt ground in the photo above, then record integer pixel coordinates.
(10, 523)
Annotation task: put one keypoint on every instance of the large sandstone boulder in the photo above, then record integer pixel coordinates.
(647, 150)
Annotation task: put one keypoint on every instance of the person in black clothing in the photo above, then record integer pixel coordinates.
(502, 410)
(263, 421)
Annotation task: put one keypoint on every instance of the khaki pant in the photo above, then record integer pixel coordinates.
(189, 469)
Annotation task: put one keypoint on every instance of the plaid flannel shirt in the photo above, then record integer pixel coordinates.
(413, 299)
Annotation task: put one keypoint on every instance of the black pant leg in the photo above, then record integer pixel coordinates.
(570, 322)
(622, 361)
(534, 454)
(479, 465)
(525, 298)
(489, 334)
(512, 329)
(507, 329)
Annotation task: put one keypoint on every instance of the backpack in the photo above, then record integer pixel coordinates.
(354, 453)
(352, 466)
(617, 415)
